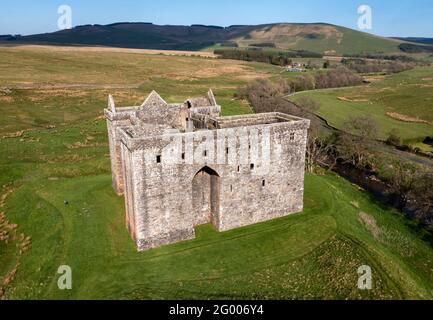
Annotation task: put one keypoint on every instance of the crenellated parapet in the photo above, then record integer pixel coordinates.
(180, 165)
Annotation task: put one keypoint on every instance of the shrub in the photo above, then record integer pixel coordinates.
(339, 77)
(394, 138)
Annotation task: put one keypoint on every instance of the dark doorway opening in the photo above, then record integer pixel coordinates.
(206, 187)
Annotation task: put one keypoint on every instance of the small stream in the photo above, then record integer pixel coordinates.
(368, 181)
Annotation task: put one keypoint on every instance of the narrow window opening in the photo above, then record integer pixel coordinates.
(264, 183)
(292, 136)
(239, 168)
(227, 150)
(183, 156)
(231, 188)
(205, 153)
(252, 166)
(158, 159)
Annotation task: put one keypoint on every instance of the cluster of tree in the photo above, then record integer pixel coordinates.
(332, 78)
(264, 45)
(413, 186)
(356, 144)
(415, 48)
(335, 78)
(374, 66)
(280, 58)
(229, 44)
(409, 183)
(401, 58)
(267, 96)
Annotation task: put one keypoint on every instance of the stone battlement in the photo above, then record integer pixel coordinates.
(180, 165)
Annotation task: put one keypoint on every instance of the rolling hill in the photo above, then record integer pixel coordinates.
(417, 40)
(59, 95)
(316, 37)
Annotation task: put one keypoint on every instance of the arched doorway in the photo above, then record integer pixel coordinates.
(206, 196)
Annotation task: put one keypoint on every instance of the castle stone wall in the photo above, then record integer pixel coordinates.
(165, 200)
(120, 119)
(167, 211)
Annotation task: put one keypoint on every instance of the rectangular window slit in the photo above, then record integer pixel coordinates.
(158, 159)
(252, 166)
(292, 137)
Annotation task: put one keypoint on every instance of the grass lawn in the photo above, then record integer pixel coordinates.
(407, 95)
(313, 254)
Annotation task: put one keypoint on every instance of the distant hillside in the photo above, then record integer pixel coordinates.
(322, 38)
(417, 40)
(415, 48)
(316, 37)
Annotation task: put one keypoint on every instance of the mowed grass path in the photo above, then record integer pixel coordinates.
(408, 94)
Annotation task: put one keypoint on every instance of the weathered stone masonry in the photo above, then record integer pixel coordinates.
(229, 182)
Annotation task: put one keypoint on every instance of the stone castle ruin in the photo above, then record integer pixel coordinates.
(182, 165)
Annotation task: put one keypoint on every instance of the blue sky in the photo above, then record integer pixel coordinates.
(390, 18)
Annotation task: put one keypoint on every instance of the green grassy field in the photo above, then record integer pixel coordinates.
(320, 38)
(50, 86)
(313, 254)
(402, 101)
(352, 42)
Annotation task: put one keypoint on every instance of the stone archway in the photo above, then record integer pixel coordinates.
(206, 187)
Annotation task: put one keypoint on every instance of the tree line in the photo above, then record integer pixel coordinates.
(280, 58)
(376, 66)
(393, 57)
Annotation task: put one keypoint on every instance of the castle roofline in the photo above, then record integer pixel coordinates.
(134, 139)
(153, 100)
